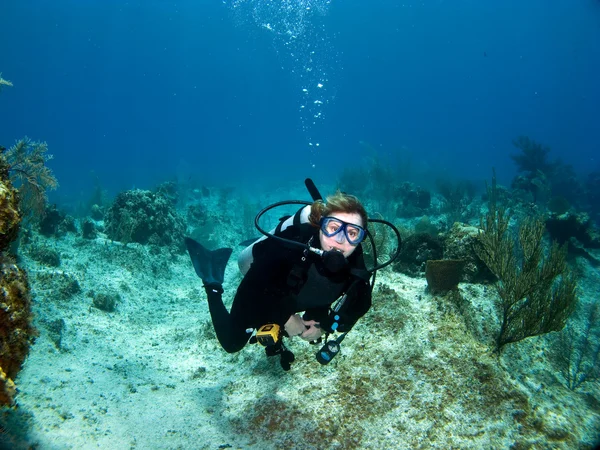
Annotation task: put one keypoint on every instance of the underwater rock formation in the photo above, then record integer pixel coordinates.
(106, 301)
(565, 227)
(16, 331)
(146, 218)
(459, 244)
(10, 218)
(88, 229)
(53, 222)
(414, 200)
(417, 249)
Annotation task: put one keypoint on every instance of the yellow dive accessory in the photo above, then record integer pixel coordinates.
(268, 334)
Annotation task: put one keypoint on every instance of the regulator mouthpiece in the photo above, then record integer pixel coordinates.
(334, 261)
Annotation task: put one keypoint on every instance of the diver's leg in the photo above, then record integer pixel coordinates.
(230, 328)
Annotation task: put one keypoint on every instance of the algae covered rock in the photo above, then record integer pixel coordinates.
(417, 249)
(106, 301)
(16, 331)
(10, 218)
(59, 286)
(146, 218)
(53, 222)
(44, 255)
(88, 229)
(568, 226)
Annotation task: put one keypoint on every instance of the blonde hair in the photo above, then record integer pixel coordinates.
(338, 202)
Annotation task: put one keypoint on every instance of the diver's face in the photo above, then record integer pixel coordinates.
(339, 242)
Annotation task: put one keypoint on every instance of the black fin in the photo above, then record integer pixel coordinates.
(209, 265)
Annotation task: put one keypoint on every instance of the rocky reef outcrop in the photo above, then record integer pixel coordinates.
(16, 329)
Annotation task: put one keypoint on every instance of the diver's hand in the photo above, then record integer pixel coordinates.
(294, 326)
(313, 332)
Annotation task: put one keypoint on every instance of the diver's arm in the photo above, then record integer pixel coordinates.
(359, 304)
(356, 305)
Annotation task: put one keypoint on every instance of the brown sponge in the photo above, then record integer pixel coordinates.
(443, 274)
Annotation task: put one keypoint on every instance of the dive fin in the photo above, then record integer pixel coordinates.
(209, 265)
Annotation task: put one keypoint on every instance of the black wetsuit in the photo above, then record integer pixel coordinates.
(280, 283)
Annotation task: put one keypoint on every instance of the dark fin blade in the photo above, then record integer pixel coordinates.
(199, 255)
(219, 262)
(209, 265)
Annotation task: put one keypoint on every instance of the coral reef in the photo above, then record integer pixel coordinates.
(565, 227)
(88, 229)
(550, 183)
(97, 212)
(457, 198)
(54, 222)
(533, 187)
(146, 218)
(16, 331)
(25, 163)
(416, 250)
(10, 217)
(413, 200)
(424, 225)
(169, 190)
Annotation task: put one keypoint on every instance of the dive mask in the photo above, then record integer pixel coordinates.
(331, 226)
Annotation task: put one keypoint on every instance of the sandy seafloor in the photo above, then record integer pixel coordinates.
(151, 375)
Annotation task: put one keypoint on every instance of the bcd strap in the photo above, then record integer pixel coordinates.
(361, 274)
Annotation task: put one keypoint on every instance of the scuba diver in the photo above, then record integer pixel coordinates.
(311, 263)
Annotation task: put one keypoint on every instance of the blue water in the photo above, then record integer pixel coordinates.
(130, 94)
